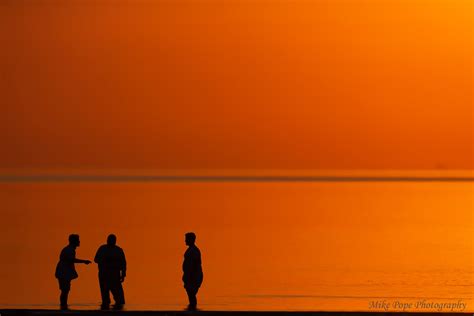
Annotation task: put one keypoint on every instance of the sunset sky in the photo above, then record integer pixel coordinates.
(324, 84)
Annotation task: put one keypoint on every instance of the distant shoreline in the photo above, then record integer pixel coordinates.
(234, 175)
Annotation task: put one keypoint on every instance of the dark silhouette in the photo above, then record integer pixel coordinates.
(192, 270)
(112, 271)
(65, 269)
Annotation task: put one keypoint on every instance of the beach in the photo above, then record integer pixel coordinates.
(38, 312)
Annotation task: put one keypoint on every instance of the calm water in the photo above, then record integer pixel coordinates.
(265, 246)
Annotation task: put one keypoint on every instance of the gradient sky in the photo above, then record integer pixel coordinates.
(237, 84)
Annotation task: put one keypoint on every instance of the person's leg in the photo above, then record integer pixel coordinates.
(63, 298)
(104, 291)
(192, 291)
(117, 291)
(195, 294)
(65, 287)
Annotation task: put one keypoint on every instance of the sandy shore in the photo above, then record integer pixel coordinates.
(38, 312)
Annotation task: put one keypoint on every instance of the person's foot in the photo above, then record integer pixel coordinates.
(104, 307)
(118, 307)
(191, 308)
(63, 307)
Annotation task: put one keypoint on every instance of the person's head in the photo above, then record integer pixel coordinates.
(190, 239)
(111, 240)
(74, 240)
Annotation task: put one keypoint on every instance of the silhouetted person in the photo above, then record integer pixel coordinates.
(65, 269)
(112, 271)
(192, 270)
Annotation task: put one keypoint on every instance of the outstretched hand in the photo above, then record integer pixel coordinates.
(87, 261)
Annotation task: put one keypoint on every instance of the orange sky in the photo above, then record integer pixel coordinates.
(237, 84)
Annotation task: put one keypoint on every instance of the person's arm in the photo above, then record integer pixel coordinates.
(72, 257)
(186, 268)
(195, 263)
(123, 267)
(190, 266)
(98, 255)
(198, 259)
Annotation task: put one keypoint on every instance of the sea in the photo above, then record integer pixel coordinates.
(290, 244)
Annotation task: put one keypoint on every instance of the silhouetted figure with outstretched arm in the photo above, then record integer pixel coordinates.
(112, 271)
(192, 270)
(65, 269)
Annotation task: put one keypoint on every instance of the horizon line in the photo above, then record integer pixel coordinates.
(225, 178)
